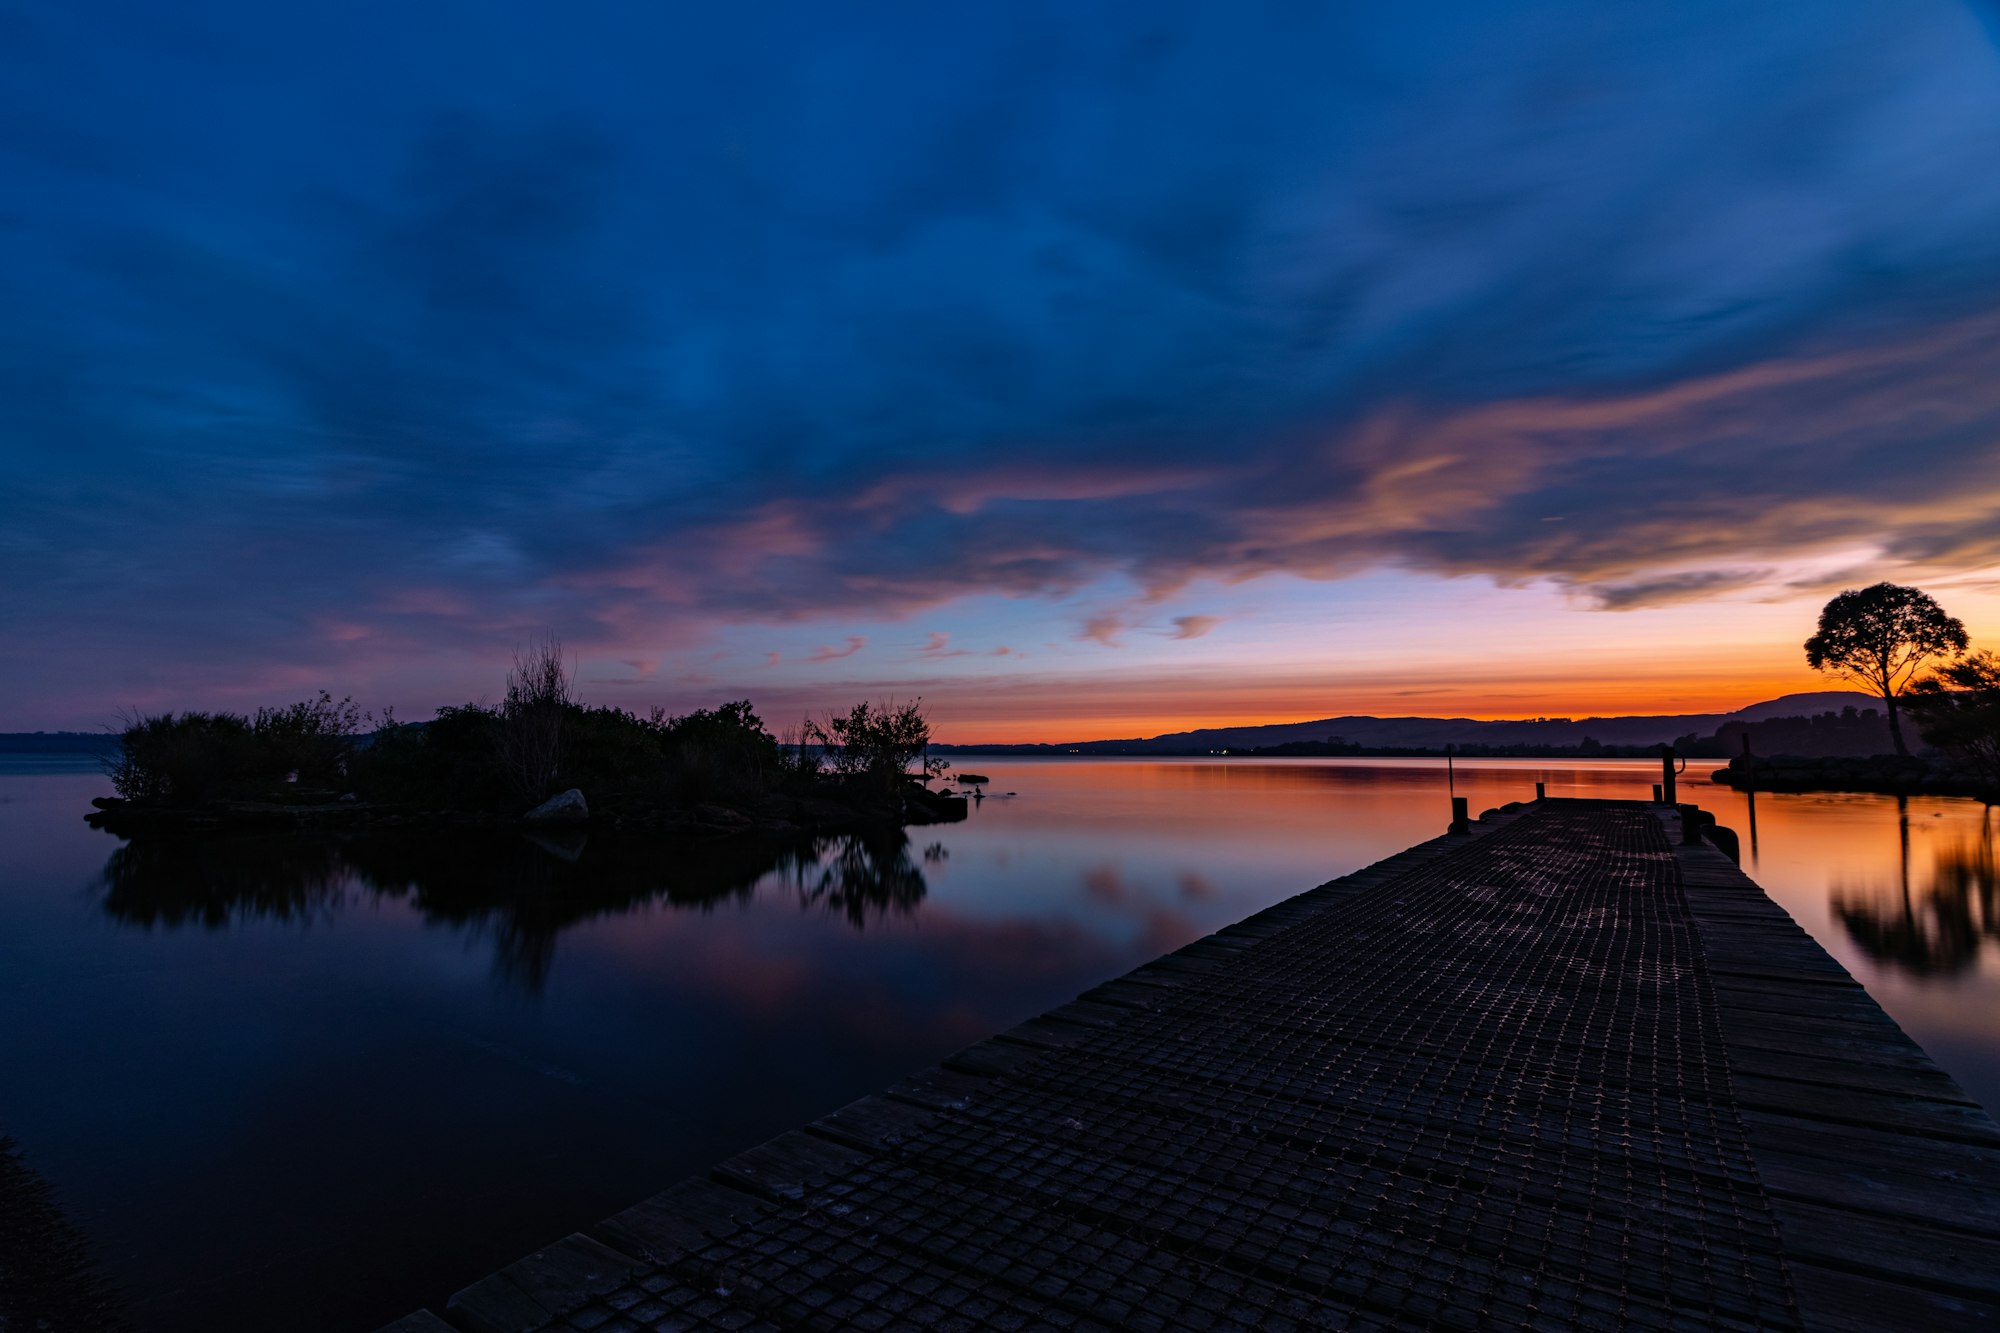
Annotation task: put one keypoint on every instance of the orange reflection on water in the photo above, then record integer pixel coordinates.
(1258, 830)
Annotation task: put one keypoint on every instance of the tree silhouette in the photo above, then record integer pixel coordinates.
(1879, 636)
(1958, 711)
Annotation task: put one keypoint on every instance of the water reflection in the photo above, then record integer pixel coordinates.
(523, 890)
(341, 994)
(1937, 930)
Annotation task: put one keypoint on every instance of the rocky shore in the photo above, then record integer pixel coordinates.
(1895, 775)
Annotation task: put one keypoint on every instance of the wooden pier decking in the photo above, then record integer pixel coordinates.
(1562, 1072)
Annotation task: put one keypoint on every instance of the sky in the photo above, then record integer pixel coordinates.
(1084, 369)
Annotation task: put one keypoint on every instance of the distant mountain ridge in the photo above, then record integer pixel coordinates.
(1438, 732)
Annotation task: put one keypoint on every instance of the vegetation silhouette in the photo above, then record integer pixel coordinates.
(523, 890)
(1958, 710)
(312, 764)
(48, 1277)
(1879, 637)
(1940, 930)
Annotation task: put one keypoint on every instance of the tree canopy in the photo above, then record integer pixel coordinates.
(1880, 636)
(1958, 711)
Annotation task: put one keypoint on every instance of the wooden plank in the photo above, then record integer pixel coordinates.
(1866, 1183)
(1762, 998)
(528, 1293)
(495, 1305)
(1894, 1250)
(1801, 1032)
(1833, 1071)
(788, 1166)
(1046, 1033)
(874, 1123)
(1086, 1014)
(1947, 1161)
(423, 1321)
(1128, 993)
(678, 1220)
(939, 1089)
(1845, 1302)
(992, 1057)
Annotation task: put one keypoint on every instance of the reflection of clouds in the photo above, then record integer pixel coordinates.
(952, 980)
(1195, 887)
(1105, 884)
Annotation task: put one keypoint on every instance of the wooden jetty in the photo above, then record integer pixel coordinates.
(1561, 1071)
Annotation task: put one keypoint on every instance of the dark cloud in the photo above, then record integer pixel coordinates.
(1675, 588)
(372, 332)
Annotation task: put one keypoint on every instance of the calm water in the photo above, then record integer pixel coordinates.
(341, 1082)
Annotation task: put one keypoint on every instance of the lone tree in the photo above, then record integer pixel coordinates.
(1879, 636)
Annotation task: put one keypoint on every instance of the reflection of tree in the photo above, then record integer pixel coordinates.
(47, 1277)
(1940, 930)
(214, 881)
(525, 889)
(860, 874)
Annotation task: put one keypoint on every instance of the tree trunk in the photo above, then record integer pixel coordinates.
(1895, 725)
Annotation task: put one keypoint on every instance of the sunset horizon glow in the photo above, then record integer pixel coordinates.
(1086, 377)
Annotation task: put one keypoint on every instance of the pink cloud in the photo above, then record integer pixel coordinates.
(1193, 627)
(1104, 629)
(825, 653)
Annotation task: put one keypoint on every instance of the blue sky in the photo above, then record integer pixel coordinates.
(1213, 361)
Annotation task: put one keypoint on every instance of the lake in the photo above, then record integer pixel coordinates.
(308, 1085)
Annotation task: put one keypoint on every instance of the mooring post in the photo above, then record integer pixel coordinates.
(1460, 821)
(1657, 799)
(1541, 791)
(1667, 774)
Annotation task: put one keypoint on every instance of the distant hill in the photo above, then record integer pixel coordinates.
(1438, 732)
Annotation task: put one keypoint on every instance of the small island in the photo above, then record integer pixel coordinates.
(539, 758)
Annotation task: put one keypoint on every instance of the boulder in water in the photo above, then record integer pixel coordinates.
(563, 808)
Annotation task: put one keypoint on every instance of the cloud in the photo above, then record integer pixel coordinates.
(826, 653)
(1193, 627)
(1104, 628)
(1707, 285)
(1669, 588)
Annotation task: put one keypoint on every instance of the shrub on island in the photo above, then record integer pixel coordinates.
(497, 761)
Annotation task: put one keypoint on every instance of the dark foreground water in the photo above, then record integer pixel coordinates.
(296, 1085)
